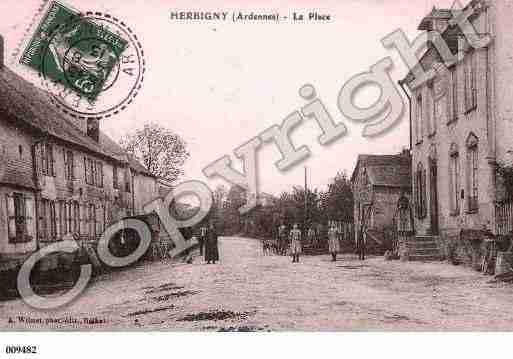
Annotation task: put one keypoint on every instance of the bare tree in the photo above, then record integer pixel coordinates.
(162, 151)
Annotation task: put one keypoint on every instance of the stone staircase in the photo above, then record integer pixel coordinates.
(423, 249)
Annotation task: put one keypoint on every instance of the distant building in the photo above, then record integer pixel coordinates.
(58, 178)
(378, 182)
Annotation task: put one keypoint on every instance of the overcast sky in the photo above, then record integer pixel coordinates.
(218, 84)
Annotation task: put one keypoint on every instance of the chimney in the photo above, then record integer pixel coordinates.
(93, 129)
(1, 52)
(405, 152)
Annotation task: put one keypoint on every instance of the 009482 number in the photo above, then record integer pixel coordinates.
(20, 349)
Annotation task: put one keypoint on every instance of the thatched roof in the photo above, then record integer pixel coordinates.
(28, 108)
(24, 103)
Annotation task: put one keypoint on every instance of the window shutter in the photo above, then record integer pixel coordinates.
(108, 213)
(99, 219)
(72, 165)
(474, 78)
(11, 217)
(59, 228)
(70, 216)
(424, 193)
(29, 217)
(101, 174)
(38, 159)
(85, 171)
(76, 217)
(455, 94)
(465, 89)
(92, 219)
(44, 163)
(83, 219)
(65, 157)
(41, 221)
(51, 160)
(53, 221)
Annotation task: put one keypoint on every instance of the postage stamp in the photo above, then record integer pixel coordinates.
(91, 63)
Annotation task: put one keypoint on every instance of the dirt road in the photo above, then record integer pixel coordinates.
(247, 291)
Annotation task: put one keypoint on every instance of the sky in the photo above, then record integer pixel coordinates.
(219, 84)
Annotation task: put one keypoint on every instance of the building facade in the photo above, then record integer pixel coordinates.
(461, 124)
(378, 182)
(58, 179)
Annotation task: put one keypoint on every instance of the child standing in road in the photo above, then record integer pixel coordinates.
(334, 245)
(295, 243)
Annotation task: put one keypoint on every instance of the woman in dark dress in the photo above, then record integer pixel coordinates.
(211, 249)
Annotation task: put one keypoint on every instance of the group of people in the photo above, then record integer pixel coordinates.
(208, 243)
(294, 241)
(291, 242)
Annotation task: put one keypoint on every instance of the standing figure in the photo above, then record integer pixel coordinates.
(202, 239)
(295, 243)
(211, 249)
(311, 236)
(282, 239)
(318, 233)
(333, 243)
(360, 243)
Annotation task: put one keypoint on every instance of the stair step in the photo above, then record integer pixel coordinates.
(426, 251)
(422, 246)
(422, 242)
(425, 238)
(424, 257)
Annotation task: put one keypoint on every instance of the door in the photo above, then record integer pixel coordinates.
(433, 197)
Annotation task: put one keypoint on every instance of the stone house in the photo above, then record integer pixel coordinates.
(378, 181)
(459, 134)
(58, 178)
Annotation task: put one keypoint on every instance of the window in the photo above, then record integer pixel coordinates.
(472, 148)
(473, 163)
(47, 220)
(420, 183)
(87, 171)
(127, 181)
(43, 219)
(93, 172)
(92, 220)
(365, 181)
(115, 182)
(419, 119)
(99, 173)
(19, 217)
(63, 218)
(68, 165)
(453, 114)
(469, 66)
(44, 154)
(454, 179)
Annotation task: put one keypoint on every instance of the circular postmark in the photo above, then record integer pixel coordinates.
(92, 66)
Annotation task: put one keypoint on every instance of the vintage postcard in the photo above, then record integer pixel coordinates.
(244, 166)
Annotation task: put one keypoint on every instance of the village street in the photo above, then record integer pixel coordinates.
(251, 292)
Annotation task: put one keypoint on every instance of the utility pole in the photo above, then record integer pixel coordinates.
(306, 201)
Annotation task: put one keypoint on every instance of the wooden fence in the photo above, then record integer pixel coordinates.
(504, 218)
